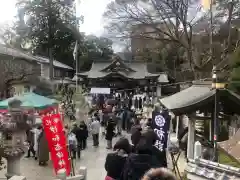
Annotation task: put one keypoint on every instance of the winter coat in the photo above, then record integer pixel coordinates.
(30, 137)
(83, 131)
(110, 130)
(43, 150)
(137, 165)
(72, 141)
(160, 156)
(76, 131)
(115, 163)
(95, 127)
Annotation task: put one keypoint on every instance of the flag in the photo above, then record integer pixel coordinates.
(75, 51)
(206, 4)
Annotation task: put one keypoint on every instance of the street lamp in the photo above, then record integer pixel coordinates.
(217, 85)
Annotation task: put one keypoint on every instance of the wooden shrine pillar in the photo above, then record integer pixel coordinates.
(177, 126)
(159, 90)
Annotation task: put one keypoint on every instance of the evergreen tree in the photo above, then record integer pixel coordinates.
(235, 73)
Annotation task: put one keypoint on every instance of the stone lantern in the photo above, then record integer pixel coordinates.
(16, 125)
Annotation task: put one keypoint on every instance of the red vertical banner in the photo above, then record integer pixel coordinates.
(57, 142)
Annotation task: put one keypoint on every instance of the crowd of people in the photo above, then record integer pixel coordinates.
(131, 161)
(38, 145)
(135, 160)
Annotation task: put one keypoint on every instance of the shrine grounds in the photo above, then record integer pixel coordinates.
(93, 158)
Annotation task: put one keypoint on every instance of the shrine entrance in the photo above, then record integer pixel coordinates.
(115, 82)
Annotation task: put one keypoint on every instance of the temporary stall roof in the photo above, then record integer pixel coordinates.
(100, 91)
(30, 100)
(199, 96)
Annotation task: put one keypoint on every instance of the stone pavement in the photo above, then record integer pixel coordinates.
(93, 158)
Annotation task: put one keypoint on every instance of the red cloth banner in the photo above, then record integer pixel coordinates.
(57, 142)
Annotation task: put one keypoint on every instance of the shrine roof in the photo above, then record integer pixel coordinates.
(132, 70)
(232, 146)
(200, 96)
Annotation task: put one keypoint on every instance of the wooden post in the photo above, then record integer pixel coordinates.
(177, 126)
(191, 138)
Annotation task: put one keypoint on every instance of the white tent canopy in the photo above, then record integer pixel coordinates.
(100, 91)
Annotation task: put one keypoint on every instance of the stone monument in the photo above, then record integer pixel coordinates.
(14, 147)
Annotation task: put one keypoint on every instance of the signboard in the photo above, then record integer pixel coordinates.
(161, 122)
(100, 91)
(53, 127)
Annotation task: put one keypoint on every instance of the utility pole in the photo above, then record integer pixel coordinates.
(214, 83)
(76, 53)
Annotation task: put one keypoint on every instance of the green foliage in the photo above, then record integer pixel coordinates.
(51, 24)
(92, 49)
(45, 27)
(235, 70)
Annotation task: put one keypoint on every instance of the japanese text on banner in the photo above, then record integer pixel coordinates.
(160, 127)
(53, 128)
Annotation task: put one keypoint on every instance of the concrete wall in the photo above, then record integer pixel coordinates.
(13, 70)
(45, 71)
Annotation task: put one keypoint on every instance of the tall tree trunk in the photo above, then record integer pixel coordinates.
(230, 13)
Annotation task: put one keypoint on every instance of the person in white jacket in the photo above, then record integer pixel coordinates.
(95, 129)
(36, 132)
(72, 144)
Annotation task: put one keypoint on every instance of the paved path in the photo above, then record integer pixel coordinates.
(93, 158)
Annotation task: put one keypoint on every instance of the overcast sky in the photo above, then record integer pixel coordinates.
(92, 11)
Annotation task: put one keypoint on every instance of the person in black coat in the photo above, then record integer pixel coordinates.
(115, 161)
(140, 103)
(135, 135)
(83, 135)
(110, 132)
(140, 162)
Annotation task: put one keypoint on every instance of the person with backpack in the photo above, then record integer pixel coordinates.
(115, 161)
(138, 163)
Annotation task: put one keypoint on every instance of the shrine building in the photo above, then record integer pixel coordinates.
(119, 75)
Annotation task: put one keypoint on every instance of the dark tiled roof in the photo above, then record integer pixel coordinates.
(199, 96)
(140, 71)
(189, 97)
(204, 169)
(55, 62)
(16, 53)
